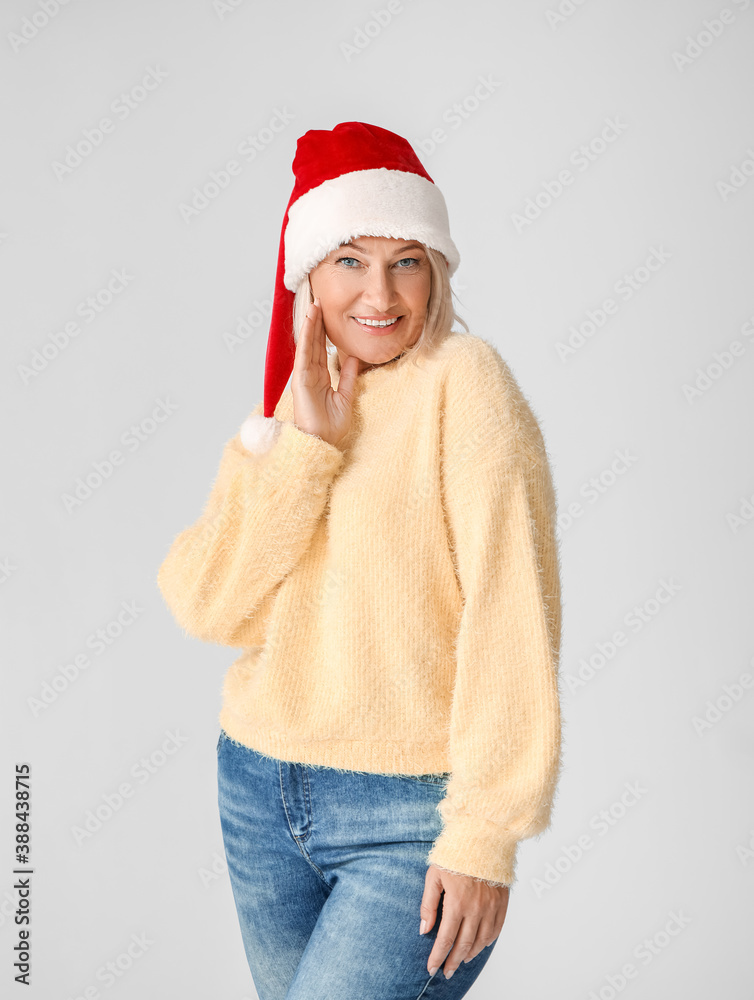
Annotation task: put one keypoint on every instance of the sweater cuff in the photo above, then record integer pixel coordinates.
(465, 849)
(259, 435)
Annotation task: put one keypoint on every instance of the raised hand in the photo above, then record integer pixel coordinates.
(317, 407)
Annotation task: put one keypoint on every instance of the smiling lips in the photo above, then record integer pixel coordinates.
(376, 324)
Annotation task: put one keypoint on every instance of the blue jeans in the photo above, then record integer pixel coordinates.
(327, 869)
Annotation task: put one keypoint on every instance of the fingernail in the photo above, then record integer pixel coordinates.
(449, 974)
(434, 970)
(423, 927)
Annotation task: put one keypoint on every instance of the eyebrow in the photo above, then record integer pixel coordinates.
(408, 246)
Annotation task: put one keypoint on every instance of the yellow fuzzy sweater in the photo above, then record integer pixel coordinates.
(396, 598)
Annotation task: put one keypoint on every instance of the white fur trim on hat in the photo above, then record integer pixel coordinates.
(258, 434)
(378, 202)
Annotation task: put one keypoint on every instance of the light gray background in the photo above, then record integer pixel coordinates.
(685, 846)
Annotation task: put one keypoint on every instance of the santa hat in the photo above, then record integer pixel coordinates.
(353, 180)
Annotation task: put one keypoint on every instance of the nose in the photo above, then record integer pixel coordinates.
(379, 291)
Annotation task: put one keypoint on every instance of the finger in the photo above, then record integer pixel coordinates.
(303, 357)
(346, 387)
(446, 937)
(490, 928)
(313, 348)
(485, 936)
(320, 343)
(463, 945)
(432, 885)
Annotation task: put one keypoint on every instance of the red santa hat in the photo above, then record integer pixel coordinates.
(354, 180)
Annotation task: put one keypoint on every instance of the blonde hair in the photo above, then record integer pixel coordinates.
(438, 322)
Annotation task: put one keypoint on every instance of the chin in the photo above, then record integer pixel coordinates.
(370, 353)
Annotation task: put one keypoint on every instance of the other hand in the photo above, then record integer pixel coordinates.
(473, 914)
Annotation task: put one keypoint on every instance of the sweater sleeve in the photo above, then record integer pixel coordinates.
(505, 730)
(220, 575)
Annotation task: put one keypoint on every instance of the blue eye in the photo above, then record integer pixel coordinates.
(409, 261)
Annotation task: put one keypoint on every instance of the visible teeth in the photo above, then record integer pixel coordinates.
(378, 322)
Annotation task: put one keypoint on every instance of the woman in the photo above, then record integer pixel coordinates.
(380, 542)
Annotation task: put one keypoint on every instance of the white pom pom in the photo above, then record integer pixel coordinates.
(259, 434)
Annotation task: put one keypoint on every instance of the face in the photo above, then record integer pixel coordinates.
(373, 278)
